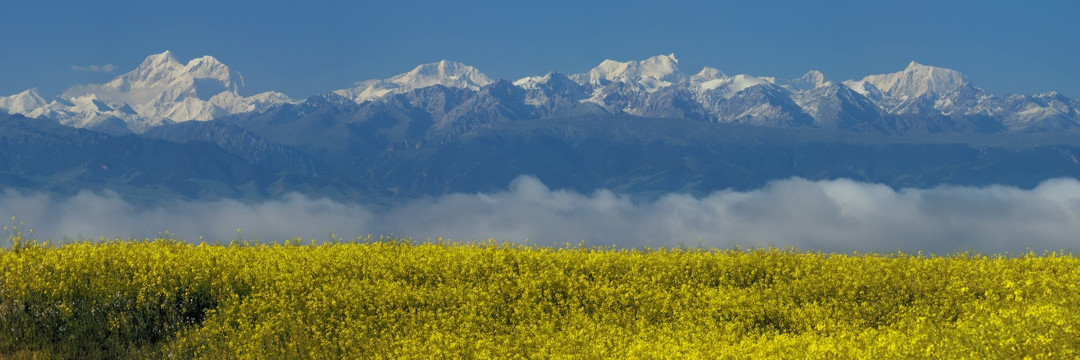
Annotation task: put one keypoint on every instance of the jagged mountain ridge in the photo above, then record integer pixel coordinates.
(919, 98)
(445, 73)
(160, 91)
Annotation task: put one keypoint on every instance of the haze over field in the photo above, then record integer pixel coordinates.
(838, 215)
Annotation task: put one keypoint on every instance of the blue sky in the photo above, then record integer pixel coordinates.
(302, 48)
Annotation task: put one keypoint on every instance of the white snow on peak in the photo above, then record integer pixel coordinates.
(809, 81)
(235, 104)
(1051, 96)
(207, 67)
(726, 87)
(534, 93)
(159, 90)
(231, 102)
(445, 73)
(22, 103)
(161, 77)
(88, 104)
(649, 74)
(156, 71)
(83, 111)
(864, 88)
(705, 75)
(552, 78)
(539, 90)
(532, 82)
(741, 82)
(533, 85)
(914, 81)
(266, 100)
(711, 83)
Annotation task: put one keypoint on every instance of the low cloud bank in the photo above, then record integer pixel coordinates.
(837, 215)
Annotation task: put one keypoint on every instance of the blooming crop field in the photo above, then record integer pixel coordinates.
(390, 298)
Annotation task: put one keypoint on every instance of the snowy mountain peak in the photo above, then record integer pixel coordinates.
(723, 87)
(209, 68)
(533, 82)
(660, 66)
(445, 73)
(266, 100)
(706, 74)
(162, 71)
(162, 62)
(162, 58)
(22, 103)
(155, 87)
(32, 96)
(539, 90)
(917, 79)
(809, 81)
(1051, 96)
(813, 77)
(154, 70)
(650, 74)
(160, 90)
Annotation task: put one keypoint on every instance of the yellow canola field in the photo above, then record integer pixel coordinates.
(399, 299)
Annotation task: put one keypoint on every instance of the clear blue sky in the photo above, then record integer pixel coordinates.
(303, 48)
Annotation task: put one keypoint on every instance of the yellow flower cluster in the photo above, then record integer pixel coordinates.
(399, 299)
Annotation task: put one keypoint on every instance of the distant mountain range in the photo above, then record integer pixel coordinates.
(918, 99)
(168, 129)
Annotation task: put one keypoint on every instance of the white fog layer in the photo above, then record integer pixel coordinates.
(838, 215)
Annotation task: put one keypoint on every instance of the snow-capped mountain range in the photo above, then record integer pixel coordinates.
(919, 98)
(444, 73)
(159, 91)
